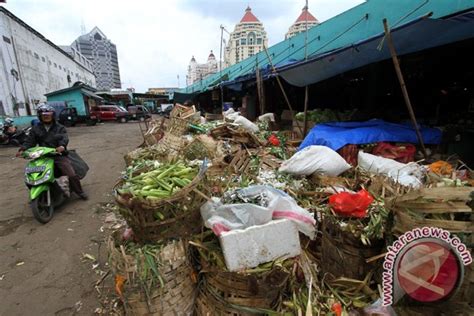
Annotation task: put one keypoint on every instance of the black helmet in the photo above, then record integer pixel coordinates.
(44, 108)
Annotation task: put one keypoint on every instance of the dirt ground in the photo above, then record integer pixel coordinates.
(42, 267)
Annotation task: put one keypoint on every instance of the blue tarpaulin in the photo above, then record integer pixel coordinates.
(338, 134)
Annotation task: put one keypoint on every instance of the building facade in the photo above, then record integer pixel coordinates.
(197, 72)
(305, 21)
(31, 65)
(103, 55)
(247, 39)
(168, 91)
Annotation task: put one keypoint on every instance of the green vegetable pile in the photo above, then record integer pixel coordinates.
(160, 182)
(325, 115)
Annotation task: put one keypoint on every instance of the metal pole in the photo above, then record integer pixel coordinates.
(305, 123)
(403, 86)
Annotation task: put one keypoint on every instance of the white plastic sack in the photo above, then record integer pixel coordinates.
(319, 159)
(406, 174)
(226, 217)
(246, 124)
(203, 120)
(269, 117)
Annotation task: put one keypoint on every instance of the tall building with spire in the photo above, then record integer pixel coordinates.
(247, 39)
(197, 72)
(305, 18)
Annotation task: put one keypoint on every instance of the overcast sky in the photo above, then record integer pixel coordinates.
(156, 39)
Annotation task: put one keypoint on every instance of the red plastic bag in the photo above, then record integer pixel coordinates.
(273, 139)
(351, 204)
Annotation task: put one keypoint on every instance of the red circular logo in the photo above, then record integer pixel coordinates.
(428, 271)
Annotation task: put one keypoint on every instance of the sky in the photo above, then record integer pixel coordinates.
(155, 38)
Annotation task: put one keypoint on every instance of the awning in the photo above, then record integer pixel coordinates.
(90, 94)
(182, 97)
(417, 35)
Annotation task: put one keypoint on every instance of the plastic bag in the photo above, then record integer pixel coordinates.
(351, 204)
(63, 183)
(268, 117)
(79, 165)
(400, 153)
(311, 159)
(405, 174)
(278, 205)
(246, 124)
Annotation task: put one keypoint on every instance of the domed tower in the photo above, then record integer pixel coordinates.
(305, 18)
(212, 63)
(247, 39)
(190, 77)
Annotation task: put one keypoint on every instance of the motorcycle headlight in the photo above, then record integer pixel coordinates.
(43, 179)
(35, 154)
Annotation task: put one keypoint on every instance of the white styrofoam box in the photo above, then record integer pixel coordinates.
(247, 248)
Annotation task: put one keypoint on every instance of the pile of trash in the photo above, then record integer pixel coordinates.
(260, 226)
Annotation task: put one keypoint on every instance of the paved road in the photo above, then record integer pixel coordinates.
(41, 271)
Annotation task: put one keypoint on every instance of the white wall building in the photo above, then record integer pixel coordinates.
(305, 18)
(197, 72)
(247, 39)
(31, 65)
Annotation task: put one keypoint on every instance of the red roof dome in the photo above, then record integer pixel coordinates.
(248, 16)
(306, 16)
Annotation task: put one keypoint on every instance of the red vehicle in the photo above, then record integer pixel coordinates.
(111, 113)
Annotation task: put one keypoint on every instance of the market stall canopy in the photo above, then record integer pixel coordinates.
(414, 36)
(352, 28)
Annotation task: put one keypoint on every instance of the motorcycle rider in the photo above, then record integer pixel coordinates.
(49, 133)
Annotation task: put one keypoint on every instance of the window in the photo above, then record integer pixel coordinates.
(259, 41)
(55, 65)
(60, 67)
(43, 59)
(37, 56)
(7, 40)
(243, 41)
(49, 62)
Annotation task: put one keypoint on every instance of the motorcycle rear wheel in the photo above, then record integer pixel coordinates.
(41, 211)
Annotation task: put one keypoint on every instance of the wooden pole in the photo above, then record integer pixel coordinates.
(282, 89)
(305, 124)
(403, 86)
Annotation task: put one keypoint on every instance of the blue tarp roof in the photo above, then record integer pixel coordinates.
(358, 26)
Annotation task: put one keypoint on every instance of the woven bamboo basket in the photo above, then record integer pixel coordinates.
(293, 138)
(423, 208)
(177, 294)
(177, 126)
(180, 212)
(230, 293)
(344, 255)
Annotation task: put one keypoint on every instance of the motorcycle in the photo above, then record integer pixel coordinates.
(12, 135)
(46, 191)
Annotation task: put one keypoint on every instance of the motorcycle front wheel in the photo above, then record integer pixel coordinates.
(40, 208)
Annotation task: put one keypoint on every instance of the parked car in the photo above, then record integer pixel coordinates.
(139, 112)
(69, 117)
(111, 113)
(165, 109)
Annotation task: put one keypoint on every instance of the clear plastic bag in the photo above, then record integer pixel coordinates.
(274, 204)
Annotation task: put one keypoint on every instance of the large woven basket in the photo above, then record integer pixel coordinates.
(175, 297)
(230, 293)
(177, 126)
(343, 255)
(412, 209)
(180, 212)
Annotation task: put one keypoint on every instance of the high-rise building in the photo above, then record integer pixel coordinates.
(197, 72)
(304, 21)
(247, 39)
(103, 55)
